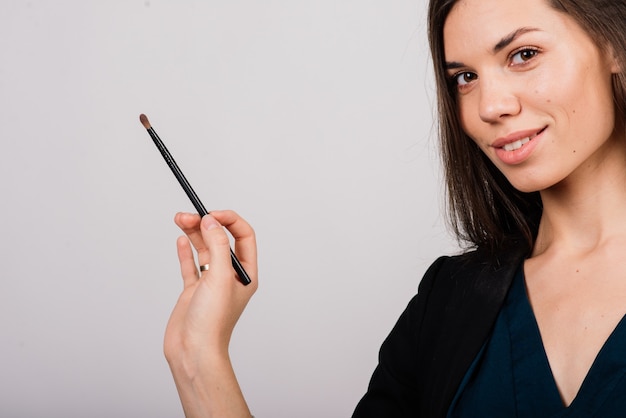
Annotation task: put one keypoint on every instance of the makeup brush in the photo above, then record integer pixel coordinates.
(241, 273)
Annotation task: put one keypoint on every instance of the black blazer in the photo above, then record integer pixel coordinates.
(426, 355)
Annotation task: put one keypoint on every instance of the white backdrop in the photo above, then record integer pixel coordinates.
(313, 119)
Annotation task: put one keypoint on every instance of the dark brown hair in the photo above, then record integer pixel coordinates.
(485, 210)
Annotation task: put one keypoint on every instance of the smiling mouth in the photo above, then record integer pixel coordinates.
(512, 146)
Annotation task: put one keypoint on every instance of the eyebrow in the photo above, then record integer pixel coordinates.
(502, 43)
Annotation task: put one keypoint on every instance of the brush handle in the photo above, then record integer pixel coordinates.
(241, 272)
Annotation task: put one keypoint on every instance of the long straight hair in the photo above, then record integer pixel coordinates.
(484, 210)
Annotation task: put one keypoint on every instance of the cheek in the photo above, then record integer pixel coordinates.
(582, 94)
(478, 131)
(469, 119)
(541, 96)
(583, 104)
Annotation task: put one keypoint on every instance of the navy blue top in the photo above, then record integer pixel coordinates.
(511, 376)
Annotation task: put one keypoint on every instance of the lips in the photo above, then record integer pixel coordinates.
(517, 140)
(516, 147)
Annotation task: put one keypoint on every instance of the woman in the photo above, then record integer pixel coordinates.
(529, 323)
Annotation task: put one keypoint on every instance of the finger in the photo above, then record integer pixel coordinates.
(222, 272)
(189, 223)
(244, 235)
(216, 239)
(188, 269)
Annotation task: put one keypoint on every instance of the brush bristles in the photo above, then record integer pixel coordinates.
(144, 121)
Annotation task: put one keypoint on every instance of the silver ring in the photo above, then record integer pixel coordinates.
(204, 267)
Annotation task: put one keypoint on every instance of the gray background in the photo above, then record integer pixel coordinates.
(313, 119)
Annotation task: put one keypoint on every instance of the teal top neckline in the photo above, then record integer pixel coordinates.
(511, 375)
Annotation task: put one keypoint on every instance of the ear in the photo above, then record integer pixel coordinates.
(616, 68)
(613, 61)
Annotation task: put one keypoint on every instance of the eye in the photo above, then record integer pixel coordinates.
(464, 78)
(523, 55)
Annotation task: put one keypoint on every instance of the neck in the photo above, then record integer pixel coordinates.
(582, 214)
(586, 209)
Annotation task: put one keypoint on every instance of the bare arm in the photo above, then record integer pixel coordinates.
(201, 325)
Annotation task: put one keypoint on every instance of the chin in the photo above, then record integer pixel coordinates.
(527, 188)
(529, 184)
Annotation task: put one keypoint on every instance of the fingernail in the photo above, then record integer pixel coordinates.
(209, 222)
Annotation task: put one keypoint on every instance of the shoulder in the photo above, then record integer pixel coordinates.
(458, 301)
(423, 359)
(472, 271)
(457, 296)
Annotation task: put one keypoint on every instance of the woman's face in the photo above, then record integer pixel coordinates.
(534, 91)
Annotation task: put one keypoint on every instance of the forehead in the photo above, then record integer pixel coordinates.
(483, 23)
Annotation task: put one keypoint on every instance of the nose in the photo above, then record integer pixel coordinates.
(498, 98)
